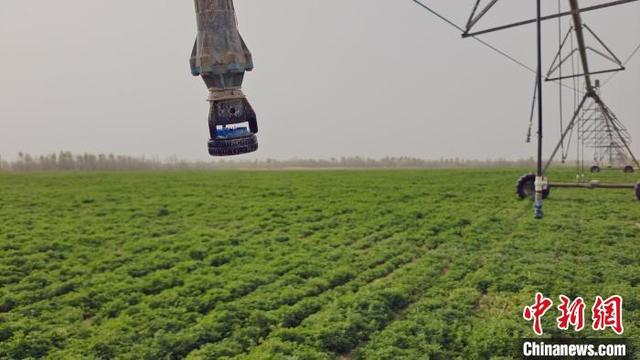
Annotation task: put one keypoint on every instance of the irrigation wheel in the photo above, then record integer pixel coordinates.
(526, 187)
(595, 169)
(638, 190)
(628, 169)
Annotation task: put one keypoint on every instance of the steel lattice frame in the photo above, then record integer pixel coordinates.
(607, 134)
(596, 132)
(601, 129)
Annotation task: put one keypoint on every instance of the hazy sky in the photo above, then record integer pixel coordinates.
(332, 78)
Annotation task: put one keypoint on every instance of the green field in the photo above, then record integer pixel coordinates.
(300, 264)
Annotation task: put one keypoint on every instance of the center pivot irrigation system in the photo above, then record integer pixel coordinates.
(594, 124)
(221, 58)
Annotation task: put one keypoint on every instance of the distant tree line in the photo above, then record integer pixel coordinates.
(67, 161)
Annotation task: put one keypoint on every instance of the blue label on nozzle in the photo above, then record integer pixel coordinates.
(229, 133)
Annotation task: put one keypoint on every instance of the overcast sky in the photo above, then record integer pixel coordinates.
(333, 78)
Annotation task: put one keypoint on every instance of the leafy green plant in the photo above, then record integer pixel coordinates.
(410, 264)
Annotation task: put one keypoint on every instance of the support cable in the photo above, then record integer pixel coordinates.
(533, 110)
(624, 64)
(459, 28)
(485, 43)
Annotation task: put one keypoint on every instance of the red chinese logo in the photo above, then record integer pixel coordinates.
(572, 313)
(608, 314)
(604, 313)
(536, 311)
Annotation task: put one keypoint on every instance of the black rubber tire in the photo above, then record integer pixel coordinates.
(230, 147)
(638, 190)
(525, 187)
(628, 170)
(595, 169)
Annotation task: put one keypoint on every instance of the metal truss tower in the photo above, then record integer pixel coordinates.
(598, 127)
(597, 131)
